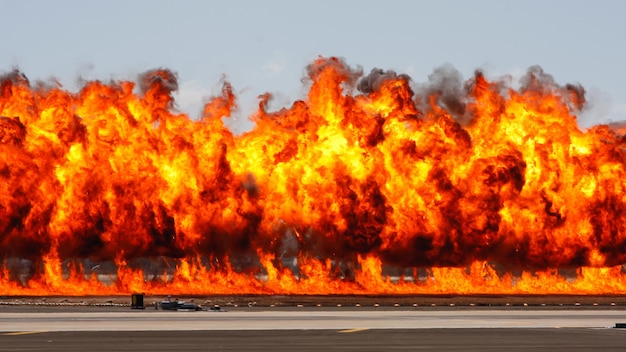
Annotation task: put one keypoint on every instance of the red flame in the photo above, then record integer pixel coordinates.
(476, 189)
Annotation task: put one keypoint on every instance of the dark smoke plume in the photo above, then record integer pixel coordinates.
(374, 80)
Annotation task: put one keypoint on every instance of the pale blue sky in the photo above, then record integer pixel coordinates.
(264, 46)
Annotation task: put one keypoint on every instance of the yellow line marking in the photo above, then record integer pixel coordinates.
(22, 333)
(352, 330)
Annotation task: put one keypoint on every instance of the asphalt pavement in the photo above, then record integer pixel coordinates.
(297, 329)
(568, 339)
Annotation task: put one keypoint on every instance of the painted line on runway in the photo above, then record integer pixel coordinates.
(22, 333)
(352, 330)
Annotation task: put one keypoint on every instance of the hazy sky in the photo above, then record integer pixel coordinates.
(264, 46)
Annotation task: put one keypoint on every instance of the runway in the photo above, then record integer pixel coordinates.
(314, 329)
(308, 319)
(443, 340)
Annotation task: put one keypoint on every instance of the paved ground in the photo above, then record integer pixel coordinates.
(311, 327)
(570, 339)
(267, 319)
(504, 301)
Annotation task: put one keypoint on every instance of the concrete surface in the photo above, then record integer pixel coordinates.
(151, 320)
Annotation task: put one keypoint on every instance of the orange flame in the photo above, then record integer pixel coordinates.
(484, 190)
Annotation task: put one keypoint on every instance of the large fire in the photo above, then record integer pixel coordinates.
(372, 184)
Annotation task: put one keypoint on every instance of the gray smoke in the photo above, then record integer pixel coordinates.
(446, 83)
(536, 79)
(15, 76)
(350, 75)
(374, 80)
(165, 78)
